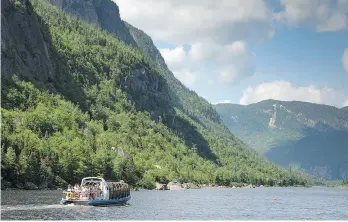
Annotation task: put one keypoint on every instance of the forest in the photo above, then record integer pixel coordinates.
(108, 111)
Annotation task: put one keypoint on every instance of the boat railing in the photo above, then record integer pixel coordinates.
(87, 191)
(118, 190)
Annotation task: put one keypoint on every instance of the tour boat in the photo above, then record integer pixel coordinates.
(95, 191)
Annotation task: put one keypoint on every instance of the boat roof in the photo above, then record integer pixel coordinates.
(92, 179)
(87, 178)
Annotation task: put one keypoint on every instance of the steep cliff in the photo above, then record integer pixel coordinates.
(24, 44)
(101, 12)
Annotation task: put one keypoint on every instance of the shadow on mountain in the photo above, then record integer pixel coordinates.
(323, 154)
(151, 92)
(33, 58)
(148, 90)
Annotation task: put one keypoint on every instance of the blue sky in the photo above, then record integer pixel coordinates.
(279, 49)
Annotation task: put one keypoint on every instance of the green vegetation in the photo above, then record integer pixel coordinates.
(344, 183)
(105, 94)
(311, 136)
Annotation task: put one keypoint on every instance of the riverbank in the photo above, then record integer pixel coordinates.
(5, 185)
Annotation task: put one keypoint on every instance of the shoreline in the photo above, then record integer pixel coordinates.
(30, 186)
(142, 189)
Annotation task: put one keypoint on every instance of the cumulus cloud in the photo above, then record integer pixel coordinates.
(232, 62)
(283, 90)
(324, 15)
(175, 58)
(181, 21)
(345, 60)
(188, 78)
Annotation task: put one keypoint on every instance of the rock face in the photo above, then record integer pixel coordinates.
(24, 47)
(102, 12)
(5, 184)
(20, 186)
(146, 45)
(191, 186)
(30, 186)
(160, 186)
(145, 87)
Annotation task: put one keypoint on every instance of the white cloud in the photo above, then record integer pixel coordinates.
(231, 62)
(324, 15)
(345, 60)
(188, 78)
(181, 21)
(283, 90)
(175, 58)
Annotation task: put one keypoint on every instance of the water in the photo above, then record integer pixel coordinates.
(202, 204)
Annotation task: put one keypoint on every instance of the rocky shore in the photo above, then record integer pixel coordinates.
(5, 185)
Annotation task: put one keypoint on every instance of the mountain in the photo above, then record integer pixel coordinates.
(76, 96)
(299, 134)
(345, 108)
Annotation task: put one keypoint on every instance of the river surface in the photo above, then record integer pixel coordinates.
(201, 204)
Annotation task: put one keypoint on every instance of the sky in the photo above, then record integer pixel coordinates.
(246, 51)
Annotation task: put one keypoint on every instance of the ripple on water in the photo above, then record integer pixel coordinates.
(201, 204)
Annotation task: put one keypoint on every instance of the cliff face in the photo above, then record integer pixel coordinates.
(24, 44)
(147, 46)
(105, 13)
(27, 52)
(101, 12)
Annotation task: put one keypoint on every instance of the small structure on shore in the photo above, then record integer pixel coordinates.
(161, 186)
(175, 185)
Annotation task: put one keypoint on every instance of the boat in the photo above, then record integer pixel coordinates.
(95, 191)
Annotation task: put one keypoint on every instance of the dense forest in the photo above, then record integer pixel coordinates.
(104, 109)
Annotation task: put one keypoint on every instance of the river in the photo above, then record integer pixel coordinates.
(200, 204)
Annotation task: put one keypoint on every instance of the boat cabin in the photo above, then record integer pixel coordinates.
(96, 188)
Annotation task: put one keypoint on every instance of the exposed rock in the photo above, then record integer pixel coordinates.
(160, 186)
(60, 182)
(43, 186)
(248, 186)
(191, 186)
(102, 12)
(148, 91)
(122, 152)
(30, 186)
(5, 184)
(23, 44)
(19, 185)
(51, 186)
(175, 185)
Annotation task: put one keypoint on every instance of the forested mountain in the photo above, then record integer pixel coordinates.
(77, 97)
(298, 134)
